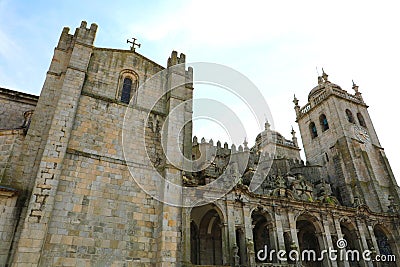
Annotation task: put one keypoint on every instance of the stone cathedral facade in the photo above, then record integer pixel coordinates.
(67, 197)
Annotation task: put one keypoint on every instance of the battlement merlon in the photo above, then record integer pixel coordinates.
(83, 39)
(175, 60)
(180, 80)
(82, 35)
(85, 35)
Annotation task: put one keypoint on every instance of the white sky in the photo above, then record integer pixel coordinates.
(276, 44)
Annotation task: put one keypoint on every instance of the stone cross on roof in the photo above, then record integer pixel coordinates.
(133, 42)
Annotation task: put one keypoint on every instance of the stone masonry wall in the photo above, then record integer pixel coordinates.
(100, 214)
(70, 62)
(8, 219)
(86, 207)
(10, 149)
(339, 146)
(104, 77)
(12, 107)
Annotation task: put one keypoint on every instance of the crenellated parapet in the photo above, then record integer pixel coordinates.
(210, 161)
(82, 35)
(281, 176)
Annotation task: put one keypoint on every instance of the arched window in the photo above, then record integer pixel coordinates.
(324, 122)
(349, 116)
(313, 130)
(384, 243)
(126, 90)
(361, 119)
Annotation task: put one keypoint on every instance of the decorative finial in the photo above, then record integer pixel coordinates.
(246, 148)
(355, 87)
(133, 42)
(295, 101)
(294, 138)
(267, 125)
(324, 75)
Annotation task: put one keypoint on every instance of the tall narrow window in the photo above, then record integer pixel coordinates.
(349, 116)
(361, 119)
(313, 130)
(126, 90)
(324, 122)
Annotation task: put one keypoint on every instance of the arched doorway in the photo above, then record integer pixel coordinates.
(194, 243)
(384, 247)
(308, 241)
(206, 236)
(263, 234)
(350, 235)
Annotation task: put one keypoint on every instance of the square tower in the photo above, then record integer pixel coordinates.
(338, 133)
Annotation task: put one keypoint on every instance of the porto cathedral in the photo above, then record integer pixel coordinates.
(67, 197)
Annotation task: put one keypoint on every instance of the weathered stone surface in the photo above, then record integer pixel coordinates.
(69, 194)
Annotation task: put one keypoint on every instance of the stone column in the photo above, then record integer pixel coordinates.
(293, 229)
(363, 237)
(373, 238)
(279, 231)
(293, 232)
(186, 245)
(248, 229)
(328, 241)
(225, 243)
(231, 232)
(339, 236)
(273, 239)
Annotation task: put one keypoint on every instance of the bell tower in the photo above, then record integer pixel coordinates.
(338, 134)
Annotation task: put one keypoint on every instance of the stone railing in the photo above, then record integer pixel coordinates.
(346, 95)
(319, 98)
(305, 109)
(340, 93)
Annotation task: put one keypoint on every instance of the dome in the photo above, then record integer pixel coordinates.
(320, 88)
(316, 90)
(323, 83)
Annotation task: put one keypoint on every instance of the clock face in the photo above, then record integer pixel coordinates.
(361, 134)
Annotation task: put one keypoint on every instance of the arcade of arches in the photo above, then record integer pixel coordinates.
(231, 233)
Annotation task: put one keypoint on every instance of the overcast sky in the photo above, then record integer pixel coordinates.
(277, 44)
